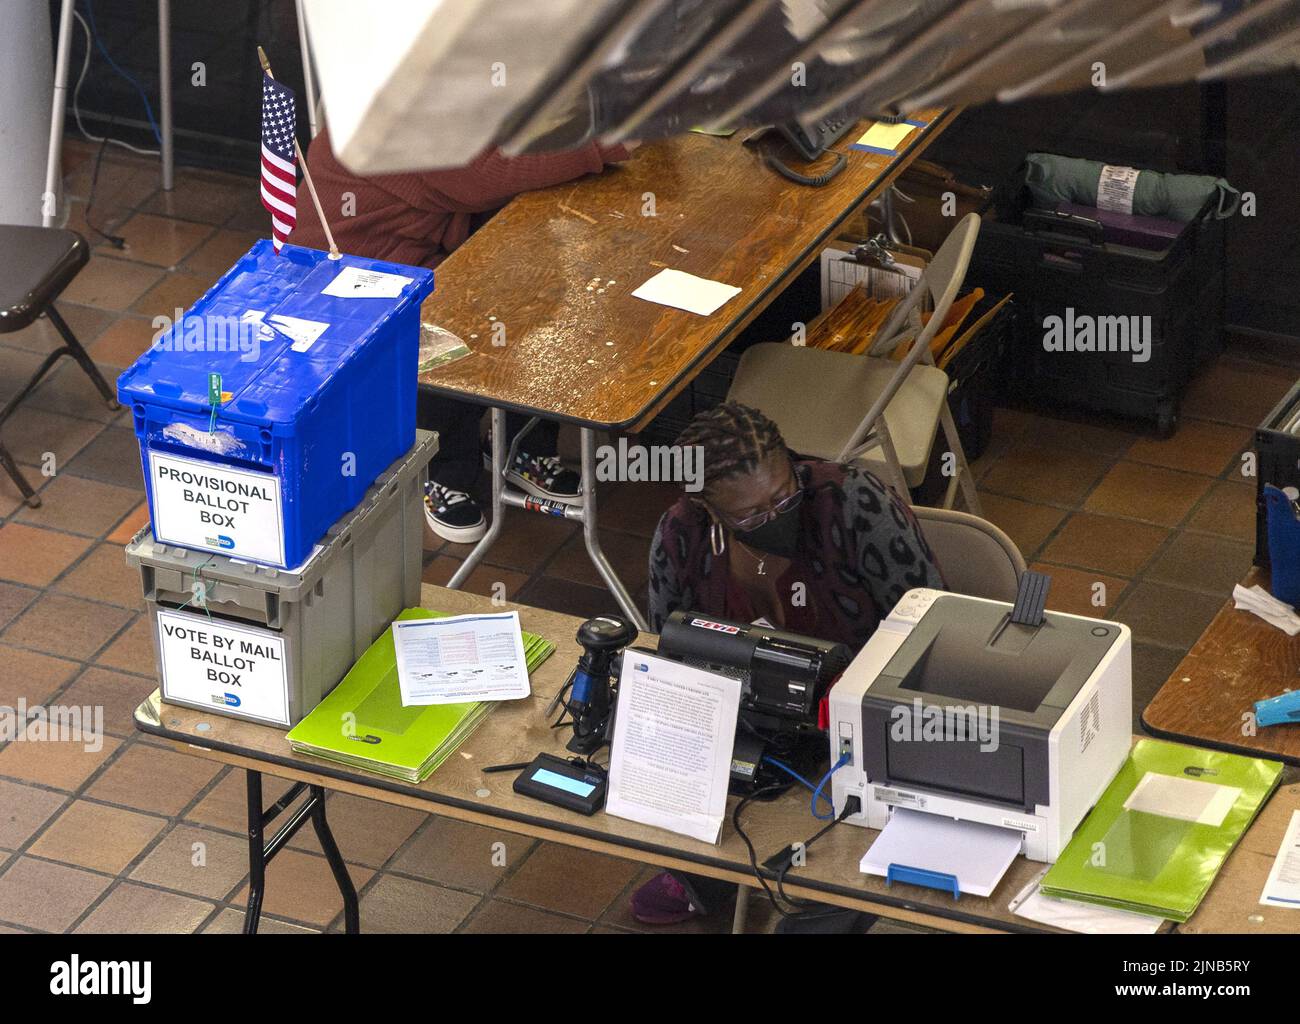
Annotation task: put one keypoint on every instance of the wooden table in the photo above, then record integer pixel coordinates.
(542, 294)
(1209, 697)
(518, 731)
(1232, 904)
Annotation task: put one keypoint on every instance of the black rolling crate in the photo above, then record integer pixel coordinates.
(975, 375)
(1050, 265)
(1277, 454)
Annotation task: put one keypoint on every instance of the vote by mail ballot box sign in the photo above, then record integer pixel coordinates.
(213, 663)
(215, 507)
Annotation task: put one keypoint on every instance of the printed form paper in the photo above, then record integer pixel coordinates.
(1283, 886)
(460, 659)
(686, 291)
(673, 735)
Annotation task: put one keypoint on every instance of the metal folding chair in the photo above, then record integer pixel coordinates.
(816, 396)
(39, 263)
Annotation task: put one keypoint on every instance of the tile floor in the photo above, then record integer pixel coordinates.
(90, 841)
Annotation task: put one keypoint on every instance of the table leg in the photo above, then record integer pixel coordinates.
(54, 157)
(503, 497)
(741, 915)
(592, 537)
(308, 71)
(261, 852)
(498, 503)
(351, 906)
(166, 130)
(256, 853)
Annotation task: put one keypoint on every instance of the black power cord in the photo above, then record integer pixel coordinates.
(770, 791)
(782, 862)
(116, 241)
(779, 864)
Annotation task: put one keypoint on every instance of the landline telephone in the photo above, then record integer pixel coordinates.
(810, 144)
(824, 134)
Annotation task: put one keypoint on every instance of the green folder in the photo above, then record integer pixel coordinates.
(362, 722)
(1162, 829)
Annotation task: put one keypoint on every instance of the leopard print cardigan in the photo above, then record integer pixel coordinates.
(860, 550)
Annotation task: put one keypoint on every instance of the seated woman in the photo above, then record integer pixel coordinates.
(812, 547)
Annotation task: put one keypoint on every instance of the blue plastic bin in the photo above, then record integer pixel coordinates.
(318, 399)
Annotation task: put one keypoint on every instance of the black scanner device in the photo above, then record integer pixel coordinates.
(783, 678)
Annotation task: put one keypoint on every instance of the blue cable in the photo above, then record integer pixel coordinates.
(844, 759)
(148, 108)
(817, 789)
(789, 771)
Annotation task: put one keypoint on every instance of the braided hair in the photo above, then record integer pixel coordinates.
(734, 439)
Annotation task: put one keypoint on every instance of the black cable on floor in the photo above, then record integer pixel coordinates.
(116, 241)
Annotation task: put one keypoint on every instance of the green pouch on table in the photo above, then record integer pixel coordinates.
(363, 724)
(1162, 829)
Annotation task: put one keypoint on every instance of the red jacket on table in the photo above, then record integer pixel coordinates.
(420, 218)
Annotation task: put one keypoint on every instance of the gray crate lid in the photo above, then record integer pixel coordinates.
(145, 550)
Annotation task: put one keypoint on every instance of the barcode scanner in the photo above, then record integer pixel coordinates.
(589, 691)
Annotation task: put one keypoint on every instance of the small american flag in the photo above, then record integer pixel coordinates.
(279, 159)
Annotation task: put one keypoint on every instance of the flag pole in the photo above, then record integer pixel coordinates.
(306, 173)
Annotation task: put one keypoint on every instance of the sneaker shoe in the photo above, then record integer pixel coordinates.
(663, 900)
(543, 476)
(453, 515)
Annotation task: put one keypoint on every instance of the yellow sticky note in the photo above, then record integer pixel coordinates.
(886, 136)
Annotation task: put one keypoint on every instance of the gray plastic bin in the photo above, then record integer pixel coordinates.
(266, 644)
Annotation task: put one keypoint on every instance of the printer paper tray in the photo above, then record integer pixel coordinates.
(977, 855)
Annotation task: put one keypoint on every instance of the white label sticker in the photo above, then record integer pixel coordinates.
(214, 663)
(217, 508)
(303, 332)
(896, 796)
(1115, 188)
(1173, 796)
(258, 316)
(355, 283)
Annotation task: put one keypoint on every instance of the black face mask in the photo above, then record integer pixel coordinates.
(778, 536)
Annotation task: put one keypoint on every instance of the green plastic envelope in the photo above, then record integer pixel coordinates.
(362, 722)
(1162, 829)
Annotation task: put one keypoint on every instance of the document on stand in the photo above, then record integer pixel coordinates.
(673, 735)
(460, 659)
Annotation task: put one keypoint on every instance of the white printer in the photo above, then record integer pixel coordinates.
(955, 709)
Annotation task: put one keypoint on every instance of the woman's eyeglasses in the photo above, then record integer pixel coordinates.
(761, 518)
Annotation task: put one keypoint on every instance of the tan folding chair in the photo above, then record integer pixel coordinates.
(976, 558)
(816, 396)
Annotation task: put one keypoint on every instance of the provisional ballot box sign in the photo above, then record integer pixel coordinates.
(214, 507)
(209, 663)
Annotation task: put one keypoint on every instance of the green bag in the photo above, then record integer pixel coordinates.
(1052, 179)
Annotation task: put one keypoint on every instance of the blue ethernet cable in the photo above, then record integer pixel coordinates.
(148, 107)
